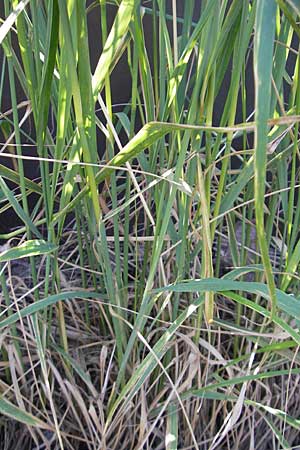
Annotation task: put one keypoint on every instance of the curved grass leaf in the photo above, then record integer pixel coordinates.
(287, 303)
(113, 43)
(244, 270)
(280, 322)
(283, 442)
(149, 135)
(34, 247)
(44, 303)
(278, 413)
(13, 176)
(207, 393)
(240, 380)
(15, 413)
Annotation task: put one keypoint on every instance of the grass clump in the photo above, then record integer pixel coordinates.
(149, 290)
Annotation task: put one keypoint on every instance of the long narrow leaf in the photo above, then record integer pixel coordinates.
(27, 249)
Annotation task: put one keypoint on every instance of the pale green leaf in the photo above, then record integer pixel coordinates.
(19, 415)
(34, 247)
(113, 43)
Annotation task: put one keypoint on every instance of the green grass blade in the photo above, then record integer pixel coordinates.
(239, 380)
(40, 305)
(30, 248)
(263, 52)
(15, 413)
(287, 303)
(291, 267)
(14, 176)
(172, 428)
(112, 44)
(17, 208)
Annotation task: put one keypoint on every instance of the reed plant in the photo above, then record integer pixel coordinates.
(150, 287)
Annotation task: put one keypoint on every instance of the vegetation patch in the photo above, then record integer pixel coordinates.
(150, 216)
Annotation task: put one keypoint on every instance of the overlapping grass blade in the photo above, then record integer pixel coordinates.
(30, 248)
(15, 413)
